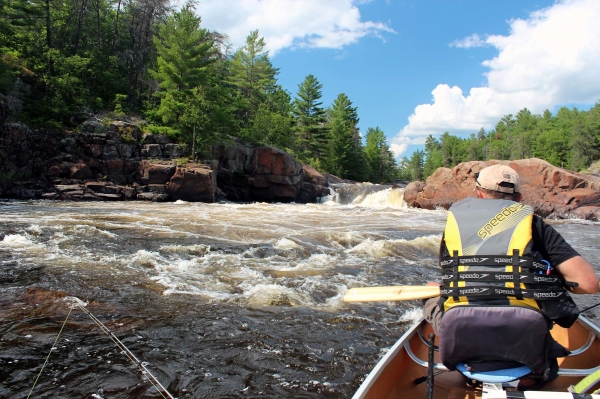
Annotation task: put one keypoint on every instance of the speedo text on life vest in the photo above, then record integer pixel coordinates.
(487, 229)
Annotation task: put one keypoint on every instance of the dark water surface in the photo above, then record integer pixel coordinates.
(219, 300)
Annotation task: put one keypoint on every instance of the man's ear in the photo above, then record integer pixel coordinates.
(519, 197)
(480, 193)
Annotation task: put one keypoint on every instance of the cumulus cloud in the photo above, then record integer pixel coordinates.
(550, 58)
(398, 149)
(290, 23)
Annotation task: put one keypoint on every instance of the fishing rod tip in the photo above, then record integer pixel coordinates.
(75, 302)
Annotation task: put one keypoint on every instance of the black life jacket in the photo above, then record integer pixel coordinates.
(491, 262)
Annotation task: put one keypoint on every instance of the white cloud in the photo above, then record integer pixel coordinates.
(398, 149)
(290, 23)
(468, 42)
(549, 59)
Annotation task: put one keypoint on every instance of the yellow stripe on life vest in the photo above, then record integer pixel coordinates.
(519, 240)
(452, 236)
(454, 243)
(521, 236)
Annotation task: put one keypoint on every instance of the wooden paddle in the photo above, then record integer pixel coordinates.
(395, 293)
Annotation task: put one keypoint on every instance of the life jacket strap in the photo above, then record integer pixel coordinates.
(516, 275)
(500, 277)
(494, 260)
(502, 292)
(455, 291)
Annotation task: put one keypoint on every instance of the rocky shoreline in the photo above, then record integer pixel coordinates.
(114, 161)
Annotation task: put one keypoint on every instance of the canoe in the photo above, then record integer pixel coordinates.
(394, 375)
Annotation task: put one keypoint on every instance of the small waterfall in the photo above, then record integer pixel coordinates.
(366, 195)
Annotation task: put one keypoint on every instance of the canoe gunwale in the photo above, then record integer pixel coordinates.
(594, 332)
(585, 346)
(420, 362)
(420, 332)
(385, 360)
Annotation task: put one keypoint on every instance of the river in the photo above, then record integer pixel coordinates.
(219, 300)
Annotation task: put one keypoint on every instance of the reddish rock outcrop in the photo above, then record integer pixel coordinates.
(105, 161)
(156, 172)
(118, 171)
(552, 192)
(193, 182)
(81, 171)
(315, 175)
(266, 174)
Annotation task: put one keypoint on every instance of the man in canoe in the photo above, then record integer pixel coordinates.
(506, 278)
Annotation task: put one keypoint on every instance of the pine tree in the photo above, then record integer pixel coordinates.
(523, 134)
(346, 158)
(132, 37)
(375, 142)
(359, 169)
(15, 17)
(404, 169)
(186, 54)
(272, 121)
(262, 106)
(341, 145)
(472, 150)
(252, 74)
(593, 123)
(433, 156)
(416, 165)
(390, 170)
(311, 132)
(583, 147)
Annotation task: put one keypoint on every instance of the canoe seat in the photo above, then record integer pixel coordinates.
(495, 376)
(494, 338)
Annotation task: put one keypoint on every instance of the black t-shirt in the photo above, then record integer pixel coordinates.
(549, 243)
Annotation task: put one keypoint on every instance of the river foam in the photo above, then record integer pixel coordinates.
(246, 254)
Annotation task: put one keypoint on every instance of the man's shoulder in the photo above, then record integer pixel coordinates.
(538, 227)
(538, 224)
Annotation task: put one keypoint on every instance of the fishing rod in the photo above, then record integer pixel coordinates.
(589, 307)
(76, 302)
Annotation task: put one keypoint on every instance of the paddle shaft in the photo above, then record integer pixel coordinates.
(392, 293)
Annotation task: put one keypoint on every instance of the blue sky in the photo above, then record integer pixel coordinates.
(423, 67)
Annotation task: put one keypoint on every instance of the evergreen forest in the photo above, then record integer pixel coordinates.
(64, 61)
(570, 139)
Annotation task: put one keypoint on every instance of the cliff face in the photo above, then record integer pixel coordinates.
(552, 192)
(114, 161)
(266, 174)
